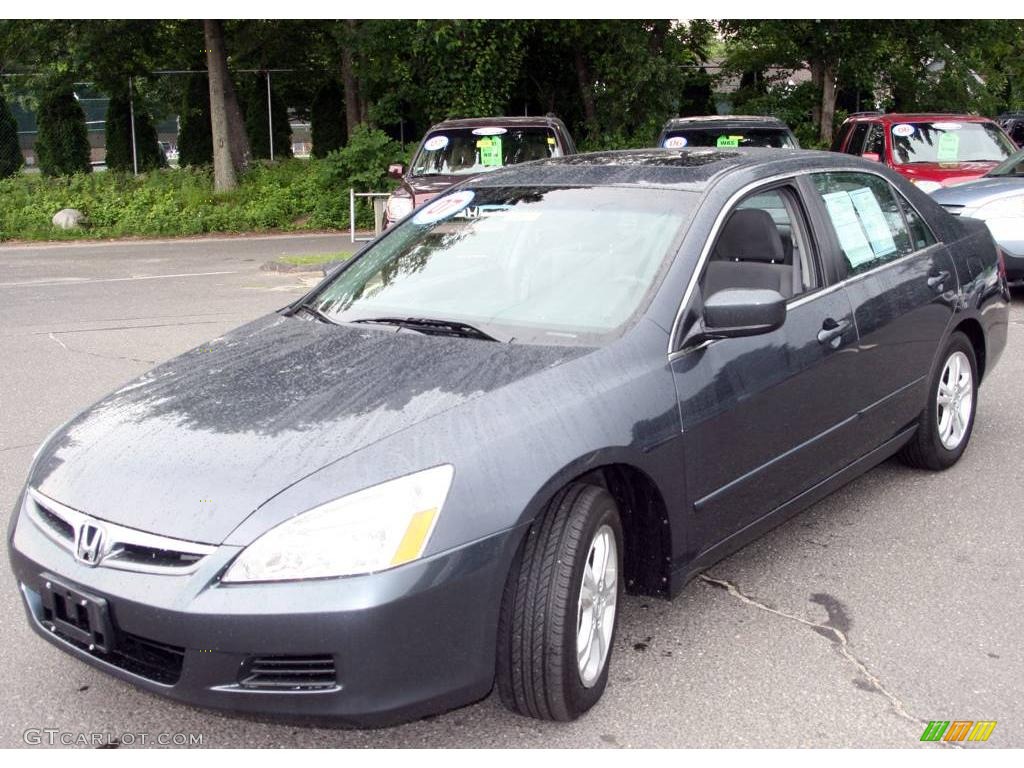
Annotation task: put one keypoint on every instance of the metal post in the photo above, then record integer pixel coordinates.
(351, 215)
(270, 119)
(131, 113)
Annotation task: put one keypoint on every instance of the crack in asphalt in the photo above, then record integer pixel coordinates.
(836, 635)
(125, 358)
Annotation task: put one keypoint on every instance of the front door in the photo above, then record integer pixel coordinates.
(764, 417)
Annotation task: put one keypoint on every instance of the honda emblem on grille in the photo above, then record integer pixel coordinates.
(89, 549)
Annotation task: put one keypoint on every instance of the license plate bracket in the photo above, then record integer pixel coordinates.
(77, 615)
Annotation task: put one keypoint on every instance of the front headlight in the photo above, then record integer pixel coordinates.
(399, 207)
(926, 185)
(1003, 208)
(370, 530)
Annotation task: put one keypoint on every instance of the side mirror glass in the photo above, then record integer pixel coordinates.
(735, 312)
(873, 156)
(396, 170)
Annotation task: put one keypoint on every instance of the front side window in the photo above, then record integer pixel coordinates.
(856, 144)
(763, 243)
(949, 142)
(469, 151)
(1014, 166)
(867, 219)
(537, 264)
(875, 143)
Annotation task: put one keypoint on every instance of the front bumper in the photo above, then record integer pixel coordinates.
(416, 640)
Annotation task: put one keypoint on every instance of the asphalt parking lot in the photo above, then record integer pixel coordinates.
(891, 603)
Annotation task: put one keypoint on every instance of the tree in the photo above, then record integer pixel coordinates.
(62, 145)
(230, 145)
(119, 137)
(195, 140)
(328, 119)
(257, 121)
(11, 159)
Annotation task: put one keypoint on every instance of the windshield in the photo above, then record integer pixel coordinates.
(678, 138)
(545, 265)
(469, 151)
(1012, 167)
(949, 142)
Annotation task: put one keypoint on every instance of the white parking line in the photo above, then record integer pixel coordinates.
(87, 280)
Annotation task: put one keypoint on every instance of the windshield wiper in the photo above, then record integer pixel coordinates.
(432, 326)
(312, 311)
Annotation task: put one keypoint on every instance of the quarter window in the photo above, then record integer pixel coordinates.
(867, 219)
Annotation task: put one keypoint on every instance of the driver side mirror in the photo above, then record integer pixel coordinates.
(735, 312)
(396, 170)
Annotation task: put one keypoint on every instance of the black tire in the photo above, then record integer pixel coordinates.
(926, 450)
(537, 670)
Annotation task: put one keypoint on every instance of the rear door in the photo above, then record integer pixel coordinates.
(763, 416)
(902, 285)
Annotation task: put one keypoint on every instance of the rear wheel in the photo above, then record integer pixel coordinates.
(560, 607)
(947, 421)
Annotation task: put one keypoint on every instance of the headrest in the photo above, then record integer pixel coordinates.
(750, 234)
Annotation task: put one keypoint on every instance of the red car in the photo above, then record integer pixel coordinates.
(932, 150)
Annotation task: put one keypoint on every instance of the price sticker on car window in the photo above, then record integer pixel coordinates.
(490, 151)
(675, 142)
(728, 141)
(949, 148)
(903, 130)
(435, 143)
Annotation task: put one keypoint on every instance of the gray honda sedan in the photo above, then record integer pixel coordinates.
(558, 383)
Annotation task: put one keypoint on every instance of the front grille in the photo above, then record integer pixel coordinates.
(58, 525)
(288, 673)
(159, 662)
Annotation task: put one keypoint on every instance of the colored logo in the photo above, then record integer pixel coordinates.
(958, 730)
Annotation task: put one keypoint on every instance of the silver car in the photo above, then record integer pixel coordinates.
(997, 198)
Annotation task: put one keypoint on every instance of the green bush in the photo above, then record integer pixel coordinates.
(119, 138)
(291, 195)
(62, 145)
(328, 119)
(11, 159)
(195, 137)
(363, 162)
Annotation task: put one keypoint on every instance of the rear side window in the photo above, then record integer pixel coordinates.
(868, 219)
(857, 139)
(920, 233)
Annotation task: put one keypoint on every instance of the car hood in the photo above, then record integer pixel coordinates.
(945, 173)
(193, 447)
(978, 192)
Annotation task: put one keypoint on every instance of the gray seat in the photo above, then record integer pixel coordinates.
(749, 254)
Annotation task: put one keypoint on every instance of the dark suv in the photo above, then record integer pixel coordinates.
(727, 131)
(454, 150)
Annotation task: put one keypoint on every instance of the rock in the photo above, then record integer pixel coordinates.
(68, 218)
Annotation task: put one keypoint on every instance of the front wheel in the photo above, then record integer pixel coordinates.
(945, 425)
(560, 607)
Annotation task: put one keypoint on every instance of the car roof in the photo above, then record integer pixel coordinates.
(766, 120)
(503, 122)
(918, 117)
(691, 169)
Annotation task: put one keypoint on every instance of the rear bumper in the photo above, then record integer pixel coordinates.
(417, 640)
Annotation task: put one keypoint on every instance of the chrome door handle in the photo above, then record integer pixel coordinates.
(832, 331)
(936, 279)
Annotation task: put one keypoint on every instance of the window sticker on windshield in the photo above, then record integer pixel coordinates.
(947, 126)
(489, 131)
(435, 143)
(949, 148)
(728, 141)
(444, 207)
(490, 151)
(874, 222)
(903, 130)
(851, 236)
(551, 140)
(675, 142)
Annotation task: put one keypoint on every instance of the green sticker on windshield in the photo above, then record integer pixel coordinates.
(490, 151)
(949, 148)
(728, 141)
